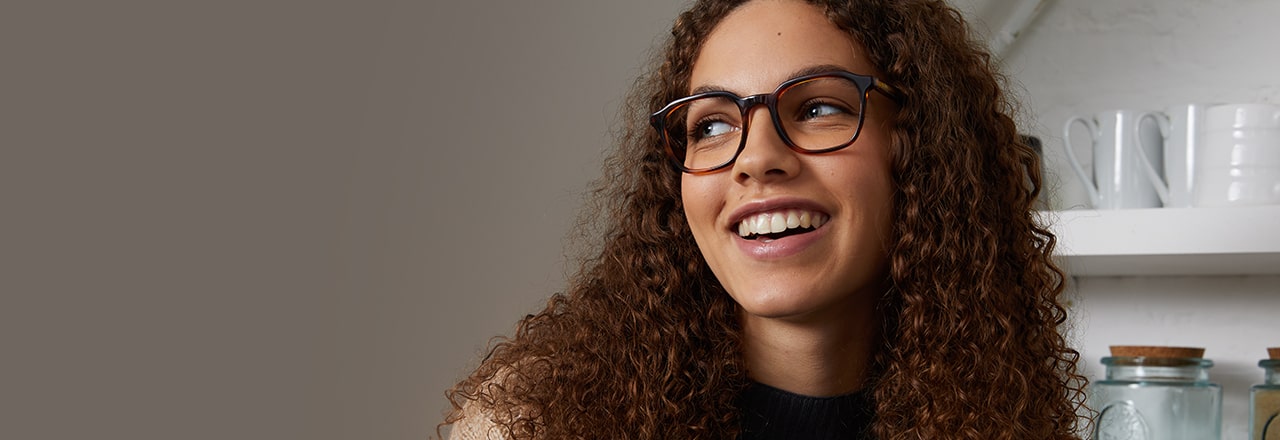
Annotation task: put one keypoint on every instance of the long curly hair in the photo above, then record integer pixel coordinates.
(645, 342)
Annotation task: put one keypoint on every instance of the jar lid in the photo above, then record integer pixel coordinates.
(1274, 352)
(1155, 351)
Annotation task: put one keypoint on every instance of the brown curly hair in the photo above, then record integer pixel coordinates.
(645, 342)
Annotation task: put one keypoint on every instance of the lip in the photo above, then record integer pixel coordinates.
(782, 247)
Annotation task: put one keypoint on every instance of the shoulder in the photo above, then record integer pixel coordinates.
(476, 424)
(493, 407)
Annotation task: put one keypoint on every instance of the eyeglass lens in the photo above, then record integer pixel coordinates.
(817, 114)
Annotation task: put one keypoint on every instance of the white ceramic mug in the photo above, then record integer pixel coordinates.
(1239, 163)
(1181, 128)
(1118, 180)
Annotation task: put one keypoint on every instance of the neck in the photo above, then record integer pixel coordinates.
(816, 356)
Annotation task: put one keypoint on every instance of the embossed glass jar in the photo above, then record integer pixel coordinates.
(1264, 400)
(1156, 393)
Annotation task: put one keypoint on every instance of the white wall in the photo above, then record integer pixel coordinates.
(1083, 56)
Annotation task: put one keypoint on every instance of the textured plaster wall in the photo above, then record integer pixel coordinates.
(1084, 56)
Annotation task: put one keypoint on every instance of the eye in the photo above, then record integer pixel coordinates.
(710, 128)
(820, 109)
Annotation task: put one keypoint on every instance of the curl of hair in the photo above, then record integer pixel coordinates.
(644, 344)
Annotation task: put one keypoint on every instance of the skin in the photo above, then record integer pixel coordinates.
(808, 314)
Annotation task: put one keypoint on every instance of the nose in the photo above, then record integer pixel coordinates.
(765, 157)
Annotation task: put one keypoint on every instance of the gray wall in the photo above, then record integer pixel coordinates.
(283, 218)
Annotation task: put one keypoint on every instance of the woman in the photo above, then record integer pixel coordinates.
(826, 231)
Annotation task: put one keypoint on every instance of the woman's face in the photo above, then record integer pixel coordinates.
(842, 262)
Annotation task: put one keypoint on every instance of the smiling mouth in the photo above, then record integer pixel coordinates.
(769, 226)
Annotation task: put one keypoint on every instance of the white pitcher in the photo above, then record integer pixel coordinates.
(1118, 180)
(1181, 130)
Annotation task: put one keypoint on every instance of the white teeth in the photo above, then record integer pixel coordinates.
(775, 222)
(762, 224)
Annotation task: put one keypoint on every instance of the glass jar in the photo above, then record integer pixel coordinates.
(1264, 400)
(1160, 397)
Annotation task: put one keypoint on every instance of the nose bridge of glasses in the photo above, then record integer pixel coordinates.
(759, 123)
(766, 102)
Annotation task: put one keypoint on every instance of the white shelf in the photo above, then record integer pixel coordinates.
(1168, 241)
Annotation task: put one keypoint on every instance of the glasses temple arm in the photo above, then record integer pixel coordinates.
(888, 90)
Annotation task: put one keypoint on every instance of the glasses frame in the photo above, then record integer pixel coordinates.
(865, 85)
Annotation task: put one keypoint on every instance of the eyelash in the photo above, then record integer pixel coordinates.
(695, 132)
(804, 109)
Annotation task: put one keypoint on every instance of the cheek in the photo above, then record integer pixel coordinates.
(876, 195)
(699, 196)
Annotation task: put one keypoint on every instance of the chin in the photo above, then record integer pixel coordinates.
(783, 299)
(778, 303)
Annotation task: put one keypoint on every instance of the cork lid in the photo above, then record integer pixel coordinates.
(1274, 352)
(1160, 351)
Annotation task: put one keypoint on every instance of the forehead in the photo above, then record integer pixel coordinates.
(764, 42)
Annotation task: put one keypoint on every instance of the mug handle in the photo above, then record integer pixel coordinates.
(1090, 188)
(1162, 121)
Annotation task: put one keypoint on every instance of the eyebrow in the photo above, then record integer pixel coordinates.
(810, 70)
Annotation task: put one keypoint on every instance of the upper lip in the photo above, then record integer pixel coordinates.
(774, 204)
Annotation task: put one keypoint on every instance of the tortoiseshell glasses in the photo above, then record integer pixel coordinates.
(813, 114)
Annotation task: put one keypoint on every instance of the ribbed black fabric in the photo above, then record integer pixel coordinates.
(771, 413)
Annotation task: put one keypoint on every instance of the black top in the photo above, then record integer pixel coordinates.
(771, 413)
